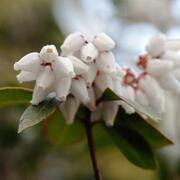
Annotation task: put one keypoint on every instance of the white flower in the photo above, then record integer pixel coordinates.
(89, 53)
(49, 70)
(69, 109)
(156, 46)
(106, 62)
(103, 42)
(73, 43)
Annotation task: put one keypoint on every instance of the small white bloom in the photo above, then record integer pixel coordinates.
(103, 42)
(110, 110)
(106, 62)
(62, 87)
(72, 43)
(103, 81)
(26, 76)
(156, 46)
(79, 66)
(30, 62)
(156, 67)
(69, 109)
(89, 53)
(79, 90)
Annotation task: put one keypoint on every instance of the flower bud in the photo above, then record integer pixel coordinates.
(48, 53)
(79, 90)
(62, 87)
(106, 62)
(26, 76)
(73, 43)
(63, 67)
(103, 42)
(45, 78)
(30, 62)
(89, 53)
(110, 110)
(79, 66)
(156, 46)
(69, 109)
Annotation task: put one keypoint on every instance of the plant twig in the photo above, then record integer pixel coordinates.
(92, 150)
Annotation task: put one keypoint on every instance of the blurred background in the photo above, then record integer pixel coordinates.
(52, 150)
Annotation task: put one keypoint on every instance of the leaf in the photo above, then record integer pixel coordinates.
(134, 121)
(59, 133)
(145, 113)
(35, 114)
(14, 96)
(133, 146)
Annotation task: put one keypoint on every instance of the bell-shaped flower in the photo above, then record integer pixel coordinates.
(79, 66)
(30, 62)
(103, 42)
(153, 91)
(26, 76)
(79, 90)
(69, 109)
(109, 109)
(106, 62)
(89, 53)
(156, 46)
(73, 43)
(103, 81)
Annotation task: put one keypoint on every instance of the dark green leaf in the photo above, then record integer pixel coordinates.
(134, 121)
(59, 133)
(14, 96)
(35, 114)
(133, 146)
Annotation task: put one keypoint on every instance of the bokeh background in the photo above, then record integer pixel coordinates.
(51, 150)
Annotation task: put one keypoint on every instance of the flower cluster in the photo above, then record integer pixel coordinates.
(87, 67)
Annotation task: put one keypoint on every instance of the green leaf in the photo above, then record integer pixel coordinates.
(134, 121)
(59, 133)
(133, 146)
(35, 114)
(10, 96)
(144, 112)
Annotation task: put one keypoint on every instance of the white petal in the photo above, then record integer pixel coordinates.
(69, 109)
(109, 110)
(128, 92)
(79, 66)
(106, 62)
(153, 92)
(79, 90)
(62, 87)
(30, 62)
(156, 67)
(141, 98)
(48, 53)
(156, 46)
(173, 45)
(73, 43)
(172, 56)
(90, 75)
(45, 78)
(26, 76)
(117, 86)
(63, 67)
(89, 53)
(103, 81)
(169, 82)
(103, 42)
(39, 95)
(92, 104)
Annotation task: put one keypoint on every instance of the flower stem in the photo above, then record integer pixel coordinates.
(92, 150)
